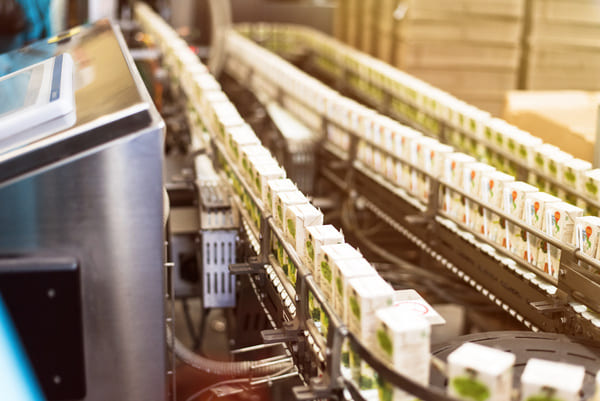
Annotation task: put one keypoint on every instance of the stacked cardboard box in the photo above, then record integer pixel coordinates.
(470, 48)
(564, 45)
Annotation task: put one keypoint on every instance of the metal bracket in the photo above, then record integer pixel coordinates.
(290, 332)
(253, 266)
(550, 307)
(316, 390)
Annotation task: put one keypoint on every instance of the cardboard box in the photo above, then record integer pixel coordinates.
(476, 372)
(567, 119)
(545, 379)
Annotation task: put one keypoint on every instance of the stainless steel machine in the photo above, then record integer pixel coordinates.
(81, 231)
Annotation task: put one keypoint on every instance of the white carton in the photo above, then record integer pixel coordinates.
(224, 116)
(343, 271)
(472, 173)
(541, 156)
(410, 302)
(329, 256)
(525, 146)
(297, 219)
(492, 186)
(275, 187)
(476, 372)
(551, 380)
(418, 155)
(262, 173)
(513, 203)
(586, 233)
(316, 238)
(559, 223)
(365, 296)
(404, 140)
(239, 137)
(574, 177)
(534, 214)
(591, 186)
(283, 200)
(432, 155)
(403, 341)
(555, 168)
(454, 164)
(252, 152)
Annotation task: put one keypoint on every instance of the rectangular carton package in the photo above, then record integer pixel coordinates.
(343, 271)
(492, 185)
(365, 296)
(586, 233)
(250, 152)
(434, 162)
(403, 146)
(472, 173)
(326, 260)
(402, 340)
(454, 164)
(555, 168)
(545, 379)
(273, 188)
(224, 116)
(540, 159)
(298, 218)
(262, 174)
(558, 223)
(283, 200)
(475, 369)
(316, 238)
(534, 215)
(574, 177)
(591, 186)
(419, 155)
(513, 197)
(411, 302)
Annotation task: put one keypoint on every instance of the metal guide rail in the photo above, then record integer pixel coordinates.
(350, 79)
(536, 299)
(291, 293)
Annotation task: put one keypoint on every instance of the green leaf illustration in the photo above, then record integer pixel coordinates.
(470, 388)
(355, 307)
(385, 342)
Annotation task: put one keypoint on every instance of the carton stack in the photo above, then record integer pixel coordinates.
(470, 48)
(564, 45)
(385, 30)
(368, 25)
